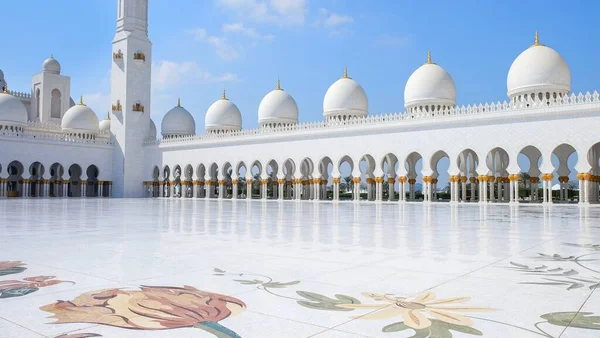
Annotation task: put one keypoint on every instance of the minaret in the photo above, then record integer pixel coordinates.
(130, 96)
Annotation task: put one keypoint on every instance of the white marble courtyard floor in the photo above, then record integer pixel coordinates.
(184, 268)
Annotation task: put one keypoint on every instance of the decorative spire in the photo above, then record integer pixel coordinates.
(179, 102)
(224, 97)
(81, 101)
(278, 85)
(429, 57)
(346, 73)
(108, 116)
(537, 39)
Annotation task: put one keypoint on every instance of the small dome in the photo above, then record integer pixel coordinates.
(430, 85)
(223, 115)
(12, 111)
(538, 69)
(80, 119)
(3, 83)
(178, 122)
(345, 97)
(105, 124)
(151, 131)
(277, 107)
(50, 65)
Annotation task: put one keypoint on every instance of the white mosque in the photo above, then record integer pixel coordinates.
(56, 148)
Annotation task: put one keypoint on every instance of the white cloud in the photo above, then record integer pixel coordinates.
(168, 74)
(239, 28)
(335, 19)
(337, 24)
(222, 47)
(281, 12)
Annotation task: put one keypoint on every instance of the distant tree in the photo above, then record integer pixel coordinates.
(524, 178)
(348, 180)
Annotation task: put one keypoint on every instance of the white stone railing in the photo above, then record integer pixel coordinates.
(50, 135)
(420, 114)
(44, 126)
(20, 95)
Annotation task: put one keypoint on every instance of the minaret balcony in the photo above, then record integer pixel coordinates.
(138, 107)
(139, 57)
(118, 56)
(117, 108)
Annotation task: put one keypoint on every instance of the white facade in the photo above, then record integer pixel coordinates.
(282, 159)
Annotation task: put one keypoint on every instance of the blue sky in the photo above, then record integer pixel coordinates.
(201, 47)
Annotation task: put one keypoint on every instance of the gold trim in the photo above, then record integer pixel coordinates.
(336, 180)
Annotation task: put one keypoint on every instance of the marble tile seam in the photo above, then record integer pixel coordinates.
(23, 327)
(578, 311)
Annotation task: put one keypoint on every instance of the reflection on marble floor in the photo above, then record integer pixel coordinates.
(185, 268)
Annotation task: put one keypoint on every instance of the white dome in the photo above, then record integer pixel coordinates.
(277, 107)
(105, 124)
(430, 84)
(12, 111)
(345, 97)
(223, 115)
(80, 119)
(178, 122)
(538, 69)
(151, 131)
(50, 65)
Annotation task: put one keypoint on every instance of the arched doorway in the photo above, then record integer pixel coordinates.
(166, 183)
(155, 189)
(91, 187)
(36, 180)
(14, 181)
(56, 180)
(74, 186)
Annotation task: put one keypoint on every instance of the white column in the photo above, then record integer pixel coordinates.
(544, 191)
(65, 188)
(101, 189)
(83, 188)
(234, 189)
(248, 188)
(391, 188)
(473, 188)
(280, 190)
(492, 187)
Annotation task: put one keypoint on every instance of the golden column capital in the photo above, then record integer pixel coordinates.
(336, 180)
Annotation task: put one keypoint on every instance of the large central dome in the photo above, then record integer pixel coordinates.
(12, 111)
(345, 98)
(223, 115)
(178, 122)
(536, 71)
(80, 119)
(430, 87)
(277, 108)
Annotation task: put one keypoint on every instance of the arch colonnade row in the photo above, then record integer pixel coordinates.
(18, 180)
(498, 178)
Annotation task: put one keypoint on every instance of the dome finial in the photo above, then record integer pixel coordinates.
(81, 101)
(278, 84)
(345, 72)
(179, 102)
(537, 39)
(108, 116)
(429, 57)
(224, 97)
